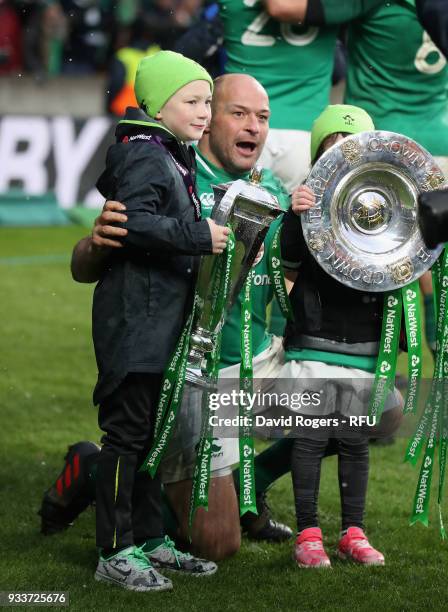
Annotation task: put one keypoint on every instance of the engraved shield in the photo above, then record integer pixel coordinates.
(363, 230)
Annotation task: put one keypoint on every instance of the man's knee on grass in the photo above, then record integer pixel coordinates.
(215, 533)
(215, 536)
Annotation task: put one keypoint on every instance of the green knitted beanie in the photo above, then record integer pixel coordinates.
(159, 76)
(338, 118)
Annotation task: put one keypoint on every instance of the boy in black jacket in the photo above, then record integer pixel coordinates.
(140, 306)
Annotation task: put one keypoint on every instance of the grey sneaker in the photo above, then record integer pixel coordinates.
(167, 557)
(130, 569)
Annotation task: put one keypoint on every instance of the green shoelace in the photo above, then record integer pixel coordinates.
(171, 546)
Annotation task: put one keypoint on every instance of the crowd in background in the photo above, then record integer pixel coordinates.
(80, 37)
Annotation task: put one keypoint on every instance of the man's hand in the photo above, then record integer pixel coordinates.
(220, 235)
(90, 255)
(103, 233)
(302, 199)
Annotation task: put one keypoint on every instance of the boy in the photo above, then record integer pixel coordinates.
(140, 306)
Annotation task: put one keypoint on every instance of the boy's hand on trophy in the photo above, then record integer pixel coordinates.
(220, 235)
(302, 199)
(103, 233)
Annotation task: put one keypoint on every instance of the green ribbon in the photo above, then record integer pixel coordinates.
(387, 356)
(201, 475)
(443, 446)
(277, 276)
(246, 442)
(435, 415)
(411, 303)
(442, 357)
(415, 444)
(422, 495)
(170, 399)
(221, 278)
(174, 376)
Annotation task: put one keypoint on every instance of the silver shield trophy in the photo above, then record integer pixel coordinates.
(363, 229)
(249, 209)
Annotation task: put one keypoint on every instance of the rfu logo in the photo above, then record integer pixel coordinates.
(415, 360)
(247, 451)
(385, 367)
(275, 262)
(348, 120)
(392, 301)
(410, 295)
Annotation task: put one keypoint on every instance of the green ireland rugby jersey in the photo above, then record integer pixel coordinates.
(397, 74)
(207, 175)
(293, 63)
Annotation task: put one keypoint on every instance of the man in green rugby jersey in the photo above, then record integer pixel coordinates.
(228, 150)
(402, 82)
(288, 46)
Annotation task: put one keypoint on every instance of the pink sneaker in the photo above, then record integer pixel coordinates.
(355, 546)
(309, 550)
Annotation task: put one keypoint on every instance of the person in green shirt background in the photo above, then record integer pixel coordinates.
(402, 82)
(288, 46)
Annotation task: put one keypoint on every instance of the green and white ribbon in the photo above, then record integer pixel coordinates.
(277, 277)
(170, 399)
(221, 278)
(411, 303)
(246, 442)
(387, 357)
(174, 376)
(201, 476)
(443, 446)
(416, 443)
(435, 415)
(422, 495)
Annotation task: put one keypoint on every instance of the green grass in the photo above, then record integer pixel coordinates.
(47, 372)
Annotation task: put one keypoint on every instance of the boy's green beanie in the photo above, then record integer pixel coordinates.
(159, 76)
(338, 118)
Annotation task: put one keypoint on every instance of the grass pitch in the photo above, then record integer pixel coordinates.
(47, 376)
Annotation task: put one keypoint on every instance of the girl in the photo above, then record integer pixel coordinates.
(335, 339)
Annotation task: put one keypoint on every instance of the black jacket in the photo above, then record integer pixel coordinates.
(329, 316)
(142, 300)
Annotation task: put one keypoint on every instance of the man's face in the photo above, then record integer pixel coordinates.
(239, 125)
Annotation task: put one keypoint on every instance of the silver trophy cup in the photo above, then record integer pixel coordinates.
(249, 209)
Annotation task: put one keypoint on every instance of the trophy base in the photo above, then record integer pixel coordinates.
(197, 379)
